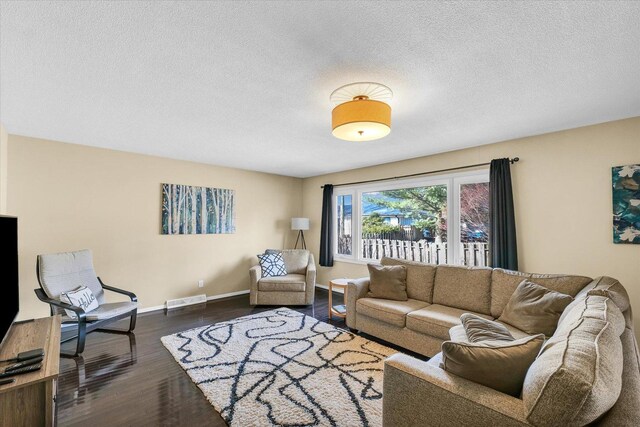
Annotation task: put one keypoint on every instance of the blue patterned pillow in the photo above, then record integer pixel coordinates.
(272, 265)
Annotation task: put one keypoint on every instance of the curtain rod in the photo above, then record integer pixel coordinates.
(512, 161)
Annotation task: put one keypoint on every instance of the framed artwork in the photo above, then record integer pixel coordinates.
(197, 210)
(626, 204)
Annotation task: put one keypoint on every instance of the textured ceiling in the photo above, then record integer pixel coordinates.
(247, 84)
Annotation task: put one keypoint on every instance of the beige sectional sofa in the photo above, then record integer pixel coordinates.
(587, 372)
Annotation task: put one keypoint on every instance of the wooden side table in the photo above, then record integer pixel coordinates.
(338, 310)
(31, 399)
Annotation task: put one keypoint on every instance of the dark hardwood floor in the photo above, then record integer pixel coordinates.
(125, 380)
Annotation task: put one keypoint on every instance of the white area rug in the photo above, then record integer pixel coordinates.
(281, 367)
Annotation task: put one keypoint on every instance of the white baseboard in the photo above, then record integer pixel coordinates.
(209, 298)
(227, 295)
(325, 287)
(162, 307)
(152, 308)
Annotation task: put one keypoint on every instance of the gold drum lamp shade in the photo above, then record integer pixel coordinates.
(361, 114)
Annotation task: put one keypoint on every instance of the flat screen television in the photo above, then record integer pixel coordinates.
(9, 302)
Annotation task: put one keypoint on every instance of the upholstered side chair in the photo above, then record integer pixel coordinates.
(296, 288)
(67, 271)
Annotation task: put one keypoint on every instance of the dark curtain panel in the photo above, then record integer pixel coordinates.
(502, 223)
(326, 229)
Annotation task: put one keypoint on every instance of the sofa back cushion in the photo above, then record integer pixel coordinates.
(577, 377)
(467, 288)
(610, 287)
(626, 411)
(420, 278)
(505, 282)
(595, 307)
(296, 260)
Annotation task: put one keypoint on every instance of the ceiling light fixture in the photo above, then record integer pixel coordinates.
(361, 112)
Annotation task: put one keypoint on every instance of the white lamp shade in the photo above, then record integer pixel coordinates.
(299, 223)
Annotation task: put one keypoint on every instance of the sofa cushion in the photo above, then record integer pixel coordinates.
(479, 329)
(420, 278)
(467, 288)
(296, 260)
(577, 377)
(505, 282)
(596, 307)
(610, 287)
(458, 334)
(435, 360)
(515, 332)
(290, 283)
(500, 365)
(390, 311)
(387, 282)
(436, 320)
(626, 411)
(535, 309)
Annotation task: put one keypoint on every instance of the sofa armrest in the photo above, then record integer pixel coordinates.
(356, 289)
(255, 274)
(310, 287)
(417, 393)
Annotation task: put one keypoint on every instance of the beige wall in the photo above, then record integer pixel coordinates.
(562, 191)
(4, 143)
(70, 197)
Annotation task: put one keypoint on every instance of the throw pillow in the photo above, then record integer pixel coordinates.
(535, 309)
(388, 282)
(479, 329)
(272, 265)
(500, 365)
(272, 251)
(81, 297)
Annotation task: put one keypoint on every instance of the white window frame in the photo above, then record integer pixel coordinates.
(452, 181)
(337, 193)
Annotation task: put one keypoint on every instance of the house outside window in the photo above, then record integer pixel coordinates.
(438, 219)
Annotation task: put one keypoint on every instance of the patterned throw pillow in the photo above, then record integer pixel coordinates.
(272, 265)
(81, 297)
(479, 329)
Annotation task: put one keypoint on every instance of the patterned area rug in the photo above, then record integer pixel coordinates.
(283, 368)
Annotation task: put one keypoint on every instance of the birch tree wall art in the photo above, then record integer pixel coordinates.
(197, 210)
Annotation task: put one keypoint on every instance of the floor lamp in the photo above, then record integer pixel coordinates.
(300, 224)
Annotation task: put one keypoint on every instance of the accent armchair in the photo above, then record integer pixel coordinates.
(66, 271)
(296, 288)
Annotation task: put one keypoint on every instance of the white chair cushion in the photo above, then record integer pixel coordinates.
(107, 311)
(66, 271)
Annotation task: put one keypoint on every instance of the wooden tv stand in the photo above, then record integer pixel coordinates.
(31, 399)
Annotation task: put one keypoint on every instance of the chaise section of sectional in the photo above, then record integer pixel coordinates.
(418, 393)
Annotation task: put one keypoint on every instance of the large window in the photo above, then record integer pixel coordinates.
(437, 220)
